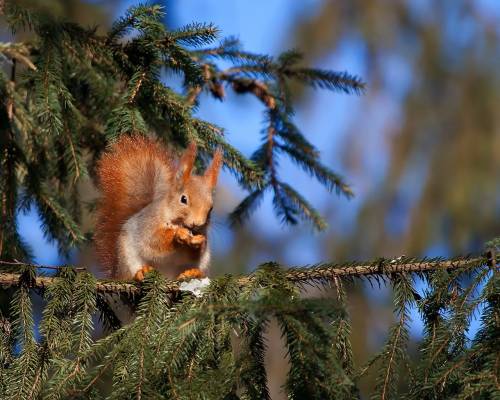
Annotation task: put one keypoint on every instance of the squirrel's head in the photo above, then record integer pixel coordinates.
(194, 193)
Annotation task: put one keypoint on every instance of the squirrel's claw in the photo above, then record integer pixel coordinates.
(191, 274)
(141, 273)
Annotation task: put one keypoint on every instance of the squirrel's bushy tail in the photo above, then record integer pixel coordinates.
(127, 174)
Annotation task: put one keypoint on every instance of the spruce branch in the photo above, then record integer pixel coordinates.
(342, 329)
(250, 363)
(190, 339)
(257, 88)
(22, 371)
(322, 79)
(395, 350)
(19, 52)
(310, 163)
(70, 371)
(246, 207)
(230, 49)
(137, 17)
(17, 16)
(318, 273)
(195, 34)
(247, 171)
(298, 205)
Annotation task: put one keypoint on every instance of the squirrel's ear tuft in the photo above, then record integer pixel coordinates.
(186, 163)
(212, 172)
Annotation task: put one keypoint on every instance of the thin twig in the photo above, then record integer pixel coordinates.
(54, 267)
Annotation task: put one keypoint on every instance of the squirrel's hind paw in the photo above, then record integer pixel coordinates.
(141, 273)
(191, 274)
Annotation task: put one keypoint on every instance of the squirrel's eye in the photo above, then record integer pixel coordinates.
(184, 199)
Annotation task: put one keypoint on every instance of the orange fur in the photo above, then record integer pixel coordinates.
(140, 274)
(191, 274)
(126, 176)
(187, 162)
(164, 239)
(212, 172)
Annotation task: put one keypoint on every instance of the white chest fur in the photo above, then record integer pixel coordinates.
(135, 251)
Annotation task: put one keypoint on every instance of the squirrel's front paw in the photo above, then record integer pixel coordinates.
(184, 236)
(139, 275)
(191, 274)
(197, 240)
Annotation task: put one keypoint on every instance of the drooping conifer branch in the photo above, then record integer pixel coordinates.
(319, 273)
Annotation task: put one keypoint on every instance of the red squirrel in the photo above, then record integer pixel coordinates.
(153, 213)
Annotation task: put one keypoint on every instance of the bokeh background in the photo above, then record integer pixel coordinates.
(421, 148)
